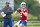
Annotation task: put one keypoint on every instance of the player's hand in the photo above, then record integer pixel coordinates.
(19, 9)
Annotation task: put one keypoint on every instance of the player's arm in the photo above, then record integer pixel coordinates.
(25, 13)
(17, 11)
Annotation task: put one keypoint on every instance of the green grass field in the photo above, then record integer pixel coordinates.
(28, 23)
(32, 24)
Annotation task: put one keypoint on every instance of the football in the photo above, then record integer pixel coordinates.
(19, 9)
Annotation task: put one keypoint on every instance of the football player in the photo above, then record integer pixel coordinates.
(23, 15)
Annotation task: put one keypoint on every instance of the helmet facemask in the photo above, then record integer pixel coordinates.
(23, 4)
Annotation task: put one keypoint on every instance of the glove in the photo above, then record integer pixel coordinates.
(19, 9)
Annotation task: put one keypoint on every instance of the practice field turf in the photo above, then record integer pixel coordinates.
(32, 23)
(29, 23)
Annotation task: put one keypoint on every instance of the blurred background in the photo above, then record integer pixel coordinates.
(33, 7)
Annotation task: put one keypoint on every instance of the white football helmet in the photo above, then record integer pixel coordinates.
(23, 3)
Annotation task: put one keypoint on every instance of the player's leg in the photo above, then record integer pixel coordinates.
(5, 23)
(16, 24)
(23, 23)
(20, 25)
(10, 22)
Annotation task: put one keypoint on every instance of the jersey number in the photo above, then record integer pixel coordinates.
(21, 14)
